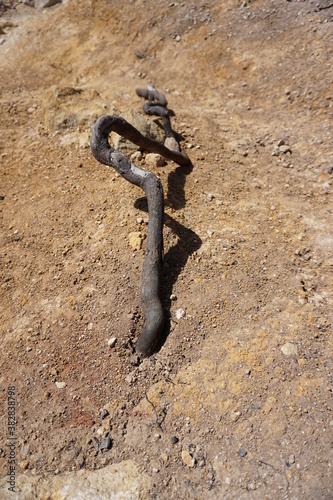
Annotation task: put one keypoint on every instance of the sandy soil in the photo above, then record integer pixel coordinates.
(243, 379)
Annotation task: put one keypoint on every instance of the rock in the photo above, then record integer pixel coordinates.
(104, 414)
(106, 443)
(60, 385)
(24, 464)
(174, 440)
(284, 148)
(187, 458)
(210, 196)
(242, 453)
(136, 239)
(171, 143)
(112, 342)
(235, 416)
(42, 4)
(136, 156)
(180, 313)
(122, 480)
(155, 160)
(146, 127)
(289, 349)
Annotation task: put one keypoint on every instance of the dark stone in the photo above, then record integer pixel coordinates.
(106, 443)
(104, 414)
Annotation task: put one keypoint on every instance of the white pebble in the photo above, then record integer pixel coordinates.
(180, 313)
(112, 342)
(60, 385)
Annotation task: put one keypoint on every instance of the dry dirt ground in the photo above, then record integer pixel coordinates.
(243, 379)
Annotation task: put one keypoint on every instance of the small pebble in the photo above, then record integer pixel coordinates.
(180, 313)
(155, 160)
(112, 342)
(136, 156)
(187, 458)
(60, 385)
(24, 464)
(284, 149)
(242, 453)
(171, 143)
(289, 349)
(104, 414)
(210, 196)
(235, 416)
(329, 171)
(173, 297)
(174, 440)
(106, 443)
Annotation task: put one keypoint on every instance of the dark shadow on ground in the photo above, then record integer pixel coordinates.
(176, 184)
